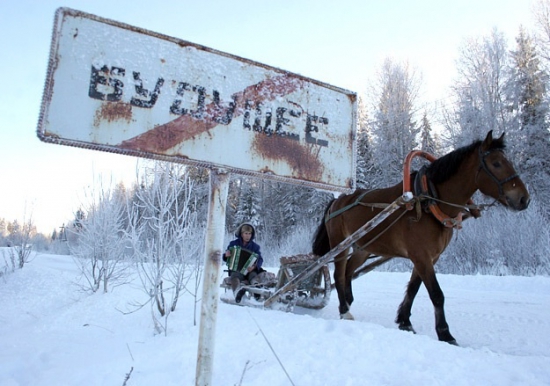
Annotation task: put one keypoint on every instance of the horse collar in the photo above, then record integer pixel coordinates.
(425, 189)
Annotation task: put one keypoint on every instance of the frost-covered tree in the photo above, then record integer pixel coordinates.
(394, 130)
(20, 238)
(500, 243)
(248, 205)
(368, 175)
(479, 90)
(427, 141)
(166, 238)
(275, 210)
(3, 228)
(200, 179)
(528, 107)
(98, 242)
(541, 12)
(498, 90)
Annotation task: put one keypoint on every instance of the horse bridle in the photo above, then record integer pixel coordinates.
(483, 165)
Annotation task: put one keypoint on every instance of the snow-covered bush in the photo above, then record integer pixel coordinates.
(99, 244)
(166, 239)
(501, 242)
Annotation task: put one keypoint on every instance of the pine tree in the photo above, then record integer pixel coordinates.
(427, 142)
(248, 208)
(367, 175)
(394, 129)
(527, 98)
(479, 90)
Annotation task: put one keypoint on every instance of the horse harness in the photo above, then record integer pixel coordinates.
(426, 199)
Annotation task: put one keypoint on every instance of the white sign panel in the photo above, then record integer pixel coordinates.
(122, 89)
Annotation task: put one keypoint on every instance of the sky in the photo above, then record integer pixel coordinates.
(64, 336)
(340, 43)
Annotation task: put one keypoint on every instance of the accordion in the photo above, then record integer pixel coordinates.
(241, 259)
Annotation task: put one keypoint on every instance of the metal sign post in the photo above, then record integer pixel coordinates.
(219, 185)
(123, 89)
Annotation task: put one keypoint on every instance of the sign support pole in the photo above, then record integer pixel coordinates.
(219, 186)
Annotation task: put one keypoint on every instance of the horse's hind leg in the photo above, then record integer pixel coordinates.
(403, 318)
(340, 283)
(355, 261)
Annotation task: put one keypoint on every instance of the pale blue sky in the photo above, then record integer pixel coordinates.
(342, 43)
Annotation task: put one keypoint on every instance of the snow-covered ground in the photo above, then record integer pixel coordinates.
(53, 334)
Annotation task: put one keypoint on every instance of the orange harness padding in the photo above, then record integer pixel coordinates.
(444, 219)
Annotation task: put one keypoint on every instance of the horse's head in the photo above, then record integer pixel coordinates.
(497, 177)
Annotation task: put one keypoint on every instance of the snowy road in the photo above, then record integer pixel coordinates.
(53, 334)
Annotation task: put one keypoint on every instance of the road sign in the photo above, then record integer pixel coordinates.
(123, 89)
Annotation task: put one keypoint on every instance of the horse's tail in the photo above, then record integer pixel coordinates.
(321, 244)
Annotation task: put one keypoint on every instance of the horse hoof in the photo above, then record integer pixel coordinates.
(453, 342)
(347, 316)
(407, 328)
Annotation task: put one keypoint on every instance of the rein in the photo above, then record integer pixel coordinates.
(468, 206)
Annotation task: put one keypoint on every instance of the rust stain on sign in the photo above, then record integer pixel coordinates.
(113, 111)
(184, 128)
(302, 160)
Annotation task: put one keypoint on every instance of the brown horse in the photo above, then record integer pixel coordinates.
(449, 183)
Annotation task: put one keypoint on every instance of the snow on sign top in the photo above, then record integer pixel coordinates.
(122, 89)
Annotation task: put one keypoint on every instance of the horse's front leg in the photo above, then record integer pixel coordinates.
(427, 273)
(403, 318)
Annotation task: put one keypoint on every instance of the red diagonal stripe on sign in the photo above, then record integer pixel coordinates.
(185, 127)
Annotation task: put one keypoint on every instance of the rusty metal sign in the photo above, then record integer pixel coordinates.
(123, 89)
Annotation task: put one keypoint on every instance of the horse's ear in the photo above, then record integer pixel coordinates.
(488, 140)
(499, 143)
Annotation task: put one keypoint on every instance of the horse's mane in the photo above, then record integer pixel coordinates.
(445, 167)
